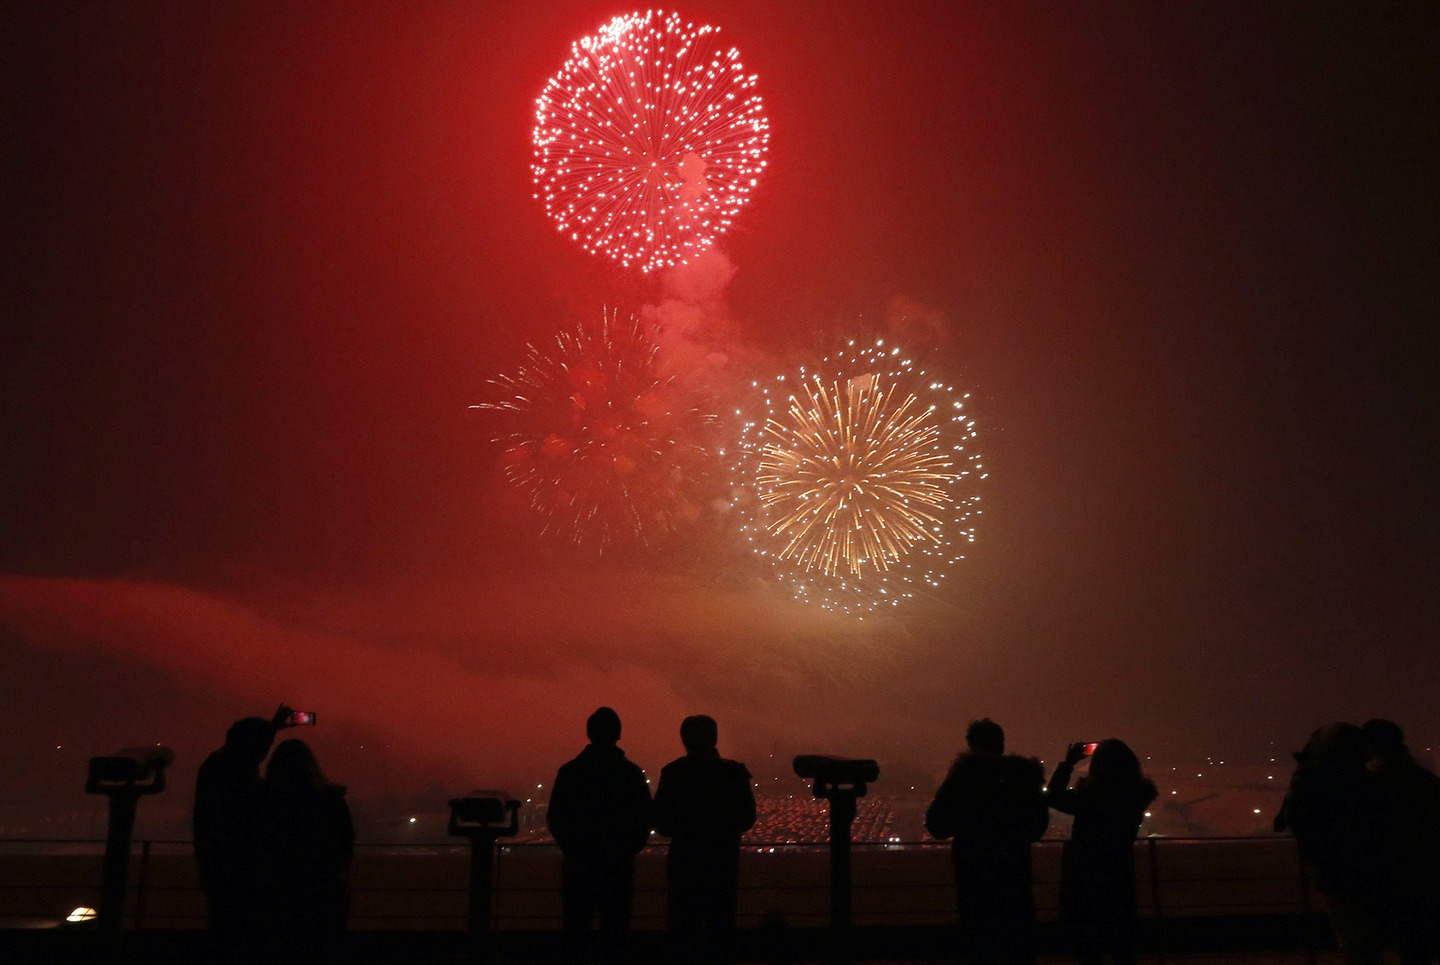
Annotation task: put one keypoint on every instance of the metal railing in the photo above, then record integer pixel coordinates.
(423, 887)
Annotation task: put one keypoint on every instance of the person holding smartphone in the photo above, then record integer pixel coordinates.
(1097, 867)
(227, 826)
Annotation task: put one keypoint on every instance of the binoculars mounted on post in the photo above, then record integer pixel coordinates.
(134, 770)
(836, 773)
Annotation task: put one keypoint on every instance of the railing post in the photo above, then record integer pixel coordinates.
(142, 881)
(498, 891)
(1155, 905)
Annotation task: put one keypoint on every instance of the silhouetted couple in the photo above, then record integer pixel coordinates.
(995, 805)
(601, 815)
(1366, 819)
(274, 853)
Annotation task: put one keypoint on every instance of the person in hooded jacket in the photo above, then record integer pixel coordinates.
(599, 814)
(993, 806)
(1097, 869)
(704, 804)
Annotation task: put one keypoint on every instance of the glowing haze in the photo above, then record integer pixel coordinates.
(649, 140)
(263, 256)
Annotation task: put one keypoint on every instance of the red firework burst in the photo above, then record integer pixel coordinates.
(649, 140)
(598, 438)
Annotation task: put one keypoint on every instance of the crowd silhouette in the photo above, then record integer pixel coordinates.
(274, 852)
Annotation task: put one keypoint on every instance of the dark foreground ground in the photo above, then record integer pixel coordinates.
(1253, 938)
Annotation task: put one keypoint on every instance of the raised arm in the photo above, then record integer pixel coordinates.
(1057, 793)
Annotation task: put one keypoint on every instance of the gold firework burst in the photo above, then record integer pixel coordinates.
(853, 476)
(859, 479)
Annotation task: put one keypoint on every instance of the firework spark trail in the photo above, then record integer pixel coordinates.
(859, 476)
(846, 472)
(648, 141)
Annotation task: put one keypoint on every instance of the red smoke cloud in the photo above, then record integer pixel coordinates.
(492, 681)
(427, 704)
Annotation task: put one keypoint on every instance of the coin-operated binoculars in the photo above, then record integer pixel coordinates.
(840, 781)
(484, 818)
(124, 777)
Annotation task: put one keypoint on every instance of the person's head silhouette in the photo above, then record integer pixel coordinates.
(1337, 746)
(1385, 737)
(984, 736)
(1114, 762)
(603, 727)
(249, 739)
(699, 733)
(293, 767)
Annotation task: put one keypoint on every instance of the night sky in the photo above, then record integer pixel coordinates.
(263, 256)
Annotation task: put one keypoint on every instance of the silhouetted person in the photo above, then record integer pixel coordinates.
(704, 804)
(227, 826)
(1338, 814)
(600, 816)
(993, 805)
(308, 845)
(1412, 800)
(1097, 869)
